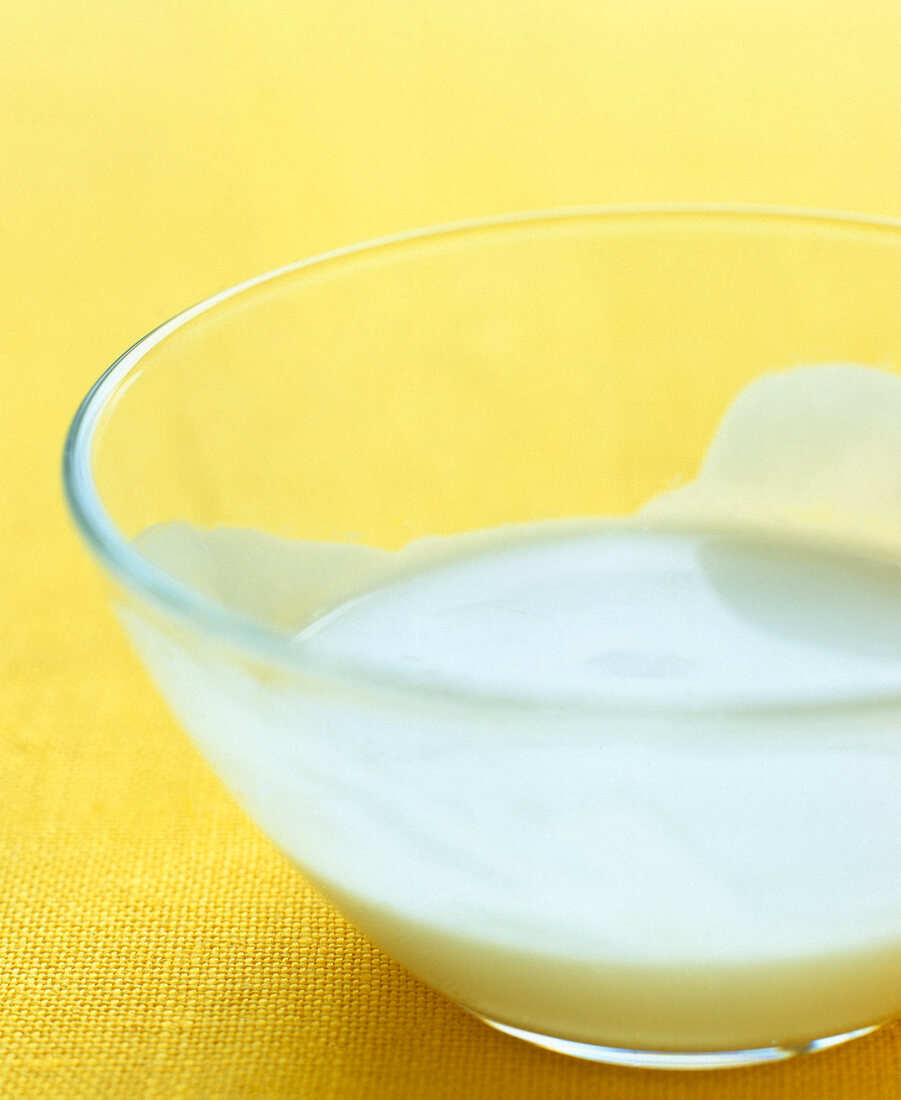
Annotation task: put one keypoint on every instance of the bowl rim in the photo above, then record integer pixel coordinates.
(164, 593)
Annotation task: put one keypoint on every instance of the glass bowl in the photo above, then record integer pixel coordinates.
(620, 778)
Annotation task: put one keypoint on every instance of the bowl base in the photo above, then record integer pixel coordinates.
(674, 1059)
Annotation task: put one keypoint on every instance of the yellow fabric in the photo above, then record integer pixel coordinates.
(152, 944)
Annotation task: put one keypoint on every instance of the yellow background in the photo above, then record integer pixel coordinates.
(152, 944)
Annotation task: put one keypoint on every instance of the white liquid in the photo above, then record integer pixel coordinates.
(596, 612)
(610, 821)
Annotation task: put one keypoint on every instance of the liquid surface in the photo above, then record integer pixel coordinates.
(600, 612)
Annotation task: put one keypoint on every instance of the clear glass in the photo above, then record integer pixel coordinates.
(295, 433)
